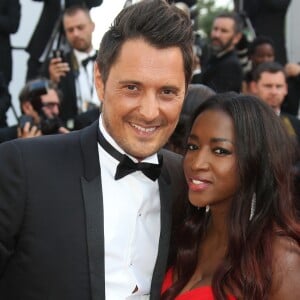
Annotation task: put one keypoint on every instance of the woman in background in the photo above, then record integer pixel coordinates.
(240, 238)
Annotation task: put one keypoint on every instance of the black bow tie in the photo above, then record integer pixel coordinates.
(88, 59)
(126, 165)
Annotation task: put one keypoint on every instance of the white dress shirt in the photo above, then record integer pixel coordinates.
(131, 227)
(85, 88)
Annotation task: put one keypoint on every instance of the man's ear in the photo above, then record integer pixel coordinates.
(27, 108)
(98, 82)
(237, 38)
(253, 87)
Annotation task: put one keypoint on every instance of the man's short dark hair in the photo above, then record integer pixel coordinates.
(269, 67)
(160, 24)
(238, 23)
(74, 9)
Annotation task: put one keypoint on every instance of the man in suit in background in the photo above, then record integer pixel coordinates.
(48, 34)
(87, 215)
(269, 84)
(73, 72)
(221, 69)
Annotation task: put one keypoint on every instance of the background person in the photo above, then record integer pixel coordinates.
(241, 237)
(221, 69)
(39, 104)
(268, 19)
(76, 229)
(260, 50)
(269, 84)
(48, 34)
(73, 72)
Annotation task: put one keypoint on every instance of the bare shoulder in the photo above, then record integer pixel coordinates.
(285, 270)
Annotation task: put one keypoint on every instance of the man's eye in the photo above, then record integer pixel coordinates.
(169, 92)
(131, 87)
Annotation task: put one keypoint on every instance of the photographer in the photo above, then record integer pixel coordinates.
(39, 103)
(72, 71)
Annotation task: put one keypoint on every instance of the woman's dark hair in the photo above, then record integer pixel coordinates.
(196, 94)
(265, 155)
(160, 24)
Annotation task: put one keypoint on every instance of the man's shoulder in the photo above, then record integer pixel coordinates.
(170, 157)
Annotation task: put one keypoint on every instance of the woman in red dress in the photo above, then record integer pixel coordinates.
(240, 237)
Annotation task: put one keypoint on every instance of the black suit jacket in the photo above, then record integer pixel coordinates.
(67, 85)
(222, 74)
(10, 14)
(51, 217)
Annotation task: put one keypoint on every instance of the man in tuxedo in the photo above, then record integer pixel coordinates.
(73, 71)
(48, 33)
(87, 215)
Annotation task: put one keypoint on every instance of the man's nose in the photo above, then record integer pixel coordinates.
(149, 107)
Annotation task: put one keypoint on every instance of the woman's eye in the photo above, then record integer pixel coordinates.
(191, 147)
(222, 151)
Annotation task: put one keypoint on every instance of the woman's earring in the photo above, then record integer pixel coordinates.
(253, 206)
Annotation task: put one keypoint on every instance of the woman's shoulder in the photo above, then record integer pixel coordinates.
(285, 269)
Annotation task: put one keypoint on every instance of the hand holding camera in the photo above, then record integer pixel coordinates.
(27, 128)
(58, 67)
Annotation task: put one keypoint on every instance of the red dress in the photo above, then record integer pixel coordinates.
(200, 293)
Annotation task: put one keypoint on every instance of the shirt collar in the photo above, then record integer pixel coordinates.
(80, 56)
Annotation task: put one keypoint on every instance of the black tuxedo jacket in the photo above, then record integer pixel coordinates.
(51, 217)
(67, 86)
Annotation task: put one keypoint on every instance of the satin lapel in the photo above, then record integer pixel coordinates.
(92, 195)
(164, 239)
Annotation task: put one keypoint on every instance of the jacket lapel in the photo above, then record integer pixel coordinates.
(93, 204)
(165, 231)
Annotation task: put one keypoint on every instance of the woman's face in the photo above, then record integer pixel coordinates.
(263, 53)
(210, 163)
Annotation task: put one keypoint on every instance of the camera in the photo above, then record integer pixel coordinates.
(58, 53)
(47, 125)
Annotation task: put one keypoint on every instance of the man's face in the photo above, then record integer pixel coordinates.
(79, 29)
(223, 36)
(50, 104)
(271, 88)
(142, 96)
